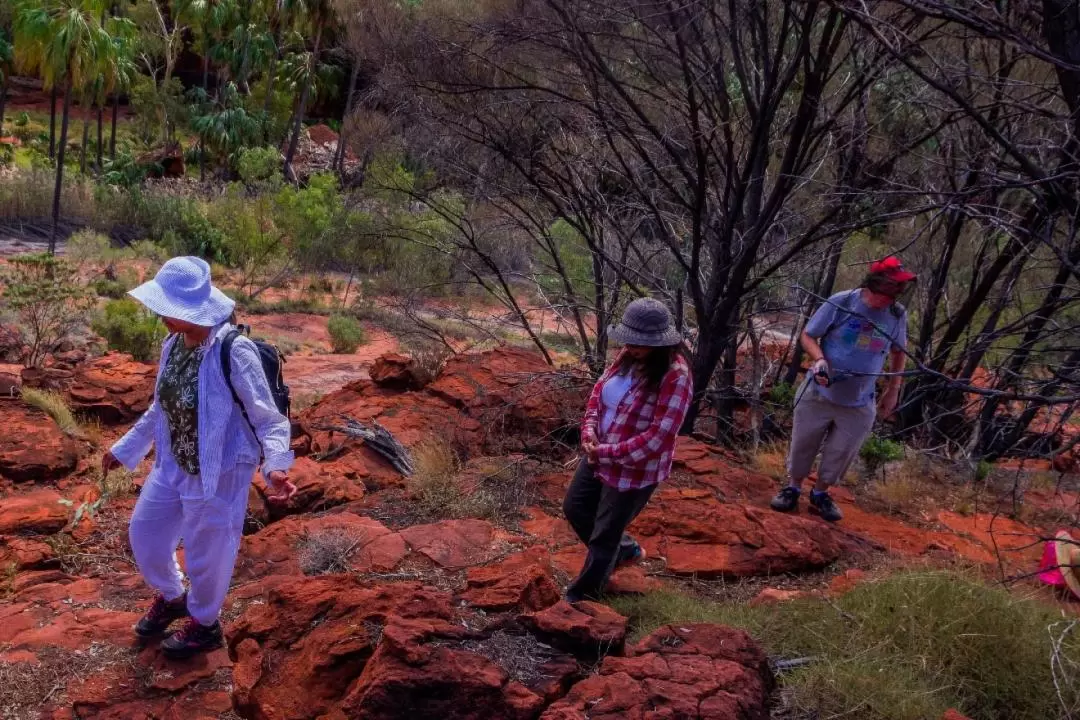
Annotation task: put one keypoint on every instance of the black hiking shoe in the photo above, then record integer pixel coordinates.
(161, 615)
(786, 500)
(635, 555)
(193, 639)
(823, 503)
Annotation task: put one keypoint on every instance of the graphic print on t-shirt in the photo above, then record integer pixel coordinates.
(863, 335)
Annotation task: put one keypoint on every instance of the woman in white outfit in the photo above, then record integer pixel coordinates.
(206, 454)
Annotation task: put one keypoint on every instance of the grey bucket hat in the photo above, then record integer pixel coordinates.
(647, 323)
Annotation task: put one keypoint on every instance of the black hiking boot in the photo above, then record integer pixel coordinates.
(823, 503)
(161, 615)
(787, 500)
(193, 639)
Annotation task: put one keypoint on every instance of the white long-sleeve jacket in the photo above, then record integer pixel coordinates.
(225, 439)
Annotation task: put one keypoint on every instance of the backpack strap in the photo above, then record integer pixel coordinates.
(226, 368)
(846, 304)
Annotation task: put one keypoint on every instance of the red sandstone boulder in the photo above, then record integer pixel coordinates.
(56, 379)
(493, 402)
(396, 372)
(23, 553)
(32, 446)
(36, 513)
(696, 672)
(523, 581)
(586, 629)
(282, 548)
(114, 388)
(954, 715)
(713, 467)
(453, 544)
(433, 681)
(298, 653)
(698, 535)
(318, 487)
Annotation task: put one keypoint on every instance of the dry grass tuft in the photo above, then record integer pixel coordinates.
(521, 656)
(904, 489)
(327, 551)
(55, 406)
(25, 688)
(771, 460)
(493, 489)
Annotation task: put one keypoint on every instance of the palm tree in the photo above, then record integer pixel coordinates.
(121, 73)
(74, 47)
(321, 14)
(7, 58)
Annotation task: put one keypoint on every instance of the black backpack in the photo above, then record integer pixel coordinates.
(272, 361)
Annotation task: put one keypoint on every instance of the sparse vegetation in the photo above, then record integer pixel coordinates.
(346, 335)
(45, 295)
(907, 647)
(55, 406)
(127, 327)
(878, 451)
(327, 551)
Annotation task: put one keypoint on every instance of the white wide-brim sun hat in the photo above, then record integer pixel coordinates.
(181, 290)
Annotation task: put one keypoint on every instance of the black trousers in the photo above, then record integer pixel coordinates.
(600, 514)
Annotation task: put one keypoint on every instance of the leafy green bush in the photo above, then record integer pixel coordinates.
(127, 327)
(179, 223)
(907, 647)
(345, 333)
(877, 451)
(259, 164)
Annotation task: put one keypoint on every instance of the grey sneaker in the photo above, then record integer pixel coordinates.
(823, 503)
(786, 500)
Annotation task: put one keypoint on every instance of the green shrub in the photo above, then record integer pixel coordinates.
(345, 334)
(45, 294)
(127, 327)
(259, 164)
(907, 647)
(877, 451)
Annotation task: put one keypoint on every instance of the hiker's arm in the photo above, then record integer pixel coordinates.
(676, 394)
(136, 443)
(811, 347)
(897, 361)
(272, 429)
(592, 413)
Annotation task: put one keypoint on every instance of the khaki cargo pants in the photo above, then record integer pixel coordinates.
(837, 432)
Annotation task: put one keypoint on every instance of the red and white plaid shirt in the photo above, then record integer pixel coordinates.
(638, 448)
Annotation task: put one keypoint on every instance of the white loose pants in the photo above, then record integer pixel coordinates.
(170, 507)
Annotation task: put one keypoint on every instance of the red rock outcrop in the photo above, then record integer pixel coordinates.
(113, 388)
(32, 446)
(492, 402)
(406, 679)
(585, 629)
(453, 544)
(366, 545)
(695, 672)
(397, 372)
(698, 535)
(299, 653)
(523, 582)
(36, 513)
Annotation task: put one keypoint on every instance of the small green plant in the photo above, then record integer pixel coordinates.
(127, 327)
(878, 451)
(117, 483)
(782, 394)
(983, 470)
(22, 119)
(53, 405)
(346, 334)
(50, 303)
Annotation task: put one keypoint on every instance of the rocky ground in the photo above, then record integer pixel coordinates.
(357, 601)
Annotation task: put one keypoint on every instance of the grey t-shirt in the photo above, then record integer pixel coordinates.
(855, 338)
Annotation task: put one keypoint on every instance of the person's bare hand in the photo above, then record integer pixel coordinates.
(888, 402)
(281, 488)
(820, 371)
(108, 463)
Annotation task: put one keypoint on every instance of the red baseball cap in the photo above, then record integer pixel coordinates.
(892, 269)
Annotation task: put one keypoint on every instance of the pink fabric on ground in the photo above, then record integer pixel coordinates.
(1050, 574)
